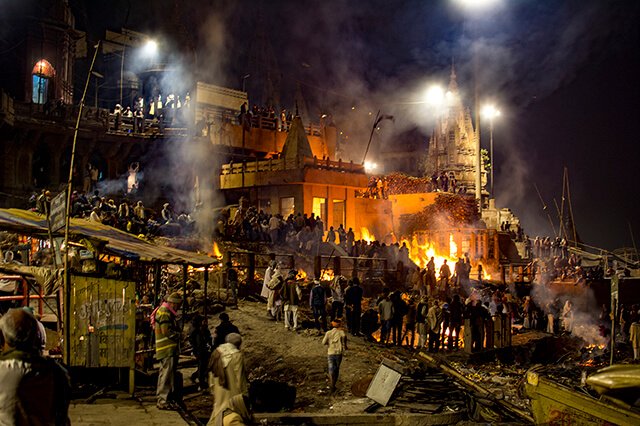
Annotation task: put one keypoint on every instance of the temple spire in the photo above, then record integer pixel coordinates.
(453, 84)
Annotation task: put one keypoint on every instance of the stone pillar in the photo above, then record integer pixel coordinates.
(472, 245)
(485, 245)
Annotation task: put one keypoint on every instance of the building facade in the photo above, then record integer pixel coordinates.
(453, 141)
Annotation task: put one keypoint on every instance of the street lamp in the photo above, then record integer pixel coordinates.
(490, 112)
(244, 78)
(148, 49)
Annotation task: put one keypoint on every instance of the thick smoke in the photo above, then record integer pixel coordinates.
(585, 310)
(353, 59)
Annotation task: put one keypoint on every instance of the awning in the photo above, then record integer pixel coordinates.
(109, 239)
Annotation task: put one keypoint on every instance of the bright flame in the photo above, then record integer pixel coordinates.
(327, 275)
(420, 254)
(215, 251)
(366, 235)
(453, 247)
(596, 346)
(301, 274)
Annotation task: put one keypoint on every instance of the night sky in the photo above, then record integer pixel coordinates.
(564, 73)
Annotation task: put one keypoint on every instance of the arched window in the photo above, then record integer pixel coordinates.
(42, 72)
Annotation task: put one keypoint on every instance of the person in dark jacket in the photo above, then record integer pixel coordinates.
(397, 320)
(353, 304)
(455, 321)
(318, 304)
(33, 390)
(225, 328)
(200, 339)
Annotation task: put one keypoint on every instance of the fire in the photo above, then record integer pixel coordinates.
(366, 235)
(593, 346)
(215, 251)
(327, 275)
(301, 274)
(420, 254)
(453, 247)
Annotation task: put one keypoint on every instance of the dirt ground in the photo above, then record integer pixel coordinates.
(299, 359)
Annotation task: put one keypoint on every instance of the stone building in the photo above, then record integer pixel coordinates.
(452, 143)
(298, 181)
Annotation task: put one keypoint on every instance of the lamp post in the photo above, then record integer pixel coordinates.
(67, 276)
(244, 79)
(149, 49)
(490, 112)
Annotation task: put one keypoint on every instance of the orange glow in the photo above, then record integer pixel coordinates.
(453, 247)
(327, 275)
(215, 251)
(43, 68)
(421, 253)
(366, 235)
(301, 274)
(595, 346)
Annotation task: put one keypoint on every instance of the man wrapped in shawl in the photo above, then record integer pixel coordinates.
(227, 374)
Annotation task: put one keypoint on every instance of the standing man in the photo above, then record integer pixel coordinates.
(291, 295)
(421, 319)
(337, 341)
(167, 335)
(200, 339)
(434, 321)
(33, 390)
(445, 274)
(337, 297)
(266, 292)
(353, 303)
(232, 282)
(385, 309)
(223, 329)
(430, 280)
(227, 374)
(318, 303)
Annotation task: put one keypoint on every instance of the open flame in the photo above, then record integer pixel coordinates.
(366, 235)
(327, 275)
(420, 254)
(215, 251)
(453, 247)
(594, 346)
(301, 274)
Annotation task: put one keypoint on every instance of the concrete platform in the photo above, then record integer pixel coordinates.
(122, 412)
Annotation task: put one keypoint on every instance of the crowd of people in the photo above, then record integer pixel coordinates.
(380, 187)
(126, 215)
(265, 117)
(172, 111)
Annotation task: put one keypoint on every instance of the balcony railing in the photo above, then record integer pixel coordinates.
(101, 118)
(280, 164)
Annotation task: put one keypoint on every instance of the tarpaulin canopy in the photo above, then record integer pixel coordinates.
(109, 239)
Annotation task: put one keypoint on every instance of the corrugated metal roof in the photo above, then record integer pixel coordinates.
(116, 242)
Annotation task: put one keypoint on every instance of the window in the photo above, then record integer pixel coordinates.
(339, 212)
(320, 208)
(287, 206)
(42, 72)
(40, 87)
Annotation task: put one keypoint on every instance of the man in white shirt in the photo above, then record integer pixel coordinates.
(336, 339)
